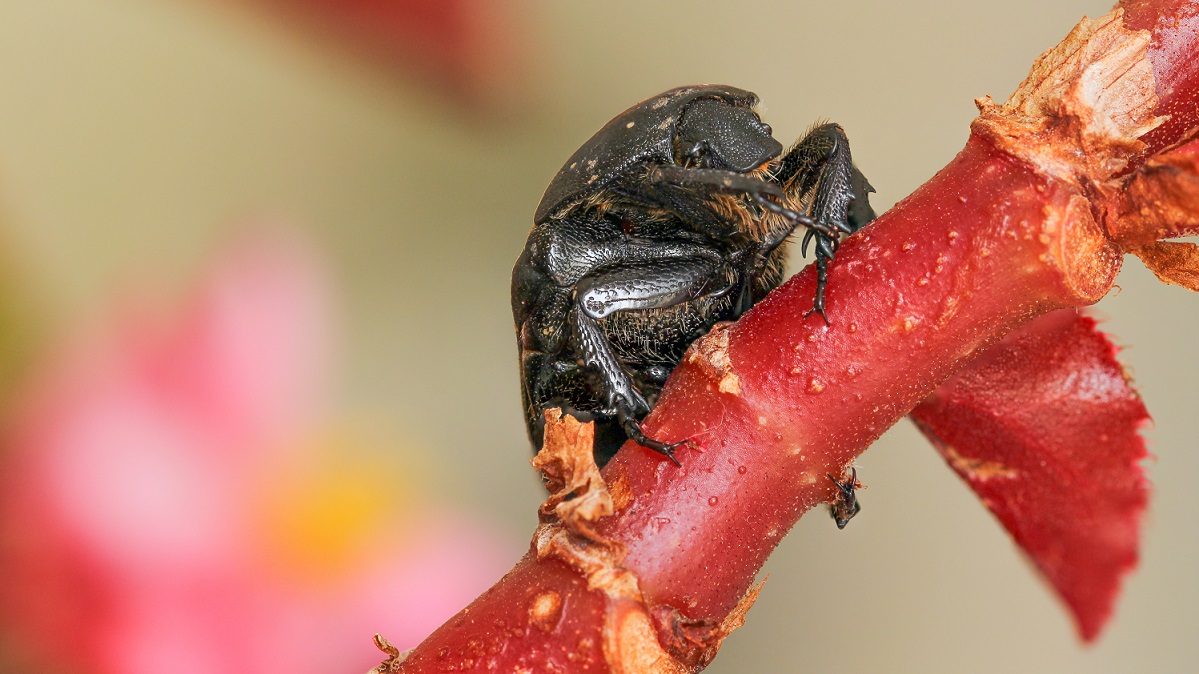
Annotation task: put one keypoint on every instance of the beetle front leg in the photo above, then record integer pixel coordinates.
(820, 171)
(819, 168)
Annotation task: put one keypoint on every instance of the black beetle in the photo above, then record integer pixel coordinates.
(668, 220)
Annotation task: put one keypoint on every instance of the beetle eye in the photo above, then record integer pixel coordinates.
(766, 127)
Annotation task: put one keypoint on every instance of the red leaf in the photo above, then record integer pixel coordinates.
(1044, 428)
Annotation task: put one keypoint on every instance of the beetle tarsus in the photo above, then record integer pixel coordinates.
(632, 428)
(821, 285)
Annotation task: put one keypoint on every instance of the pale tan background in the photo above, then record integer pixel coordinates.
(132, 133)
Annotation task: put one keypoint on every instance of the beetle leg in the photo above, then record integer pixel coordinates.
(632, 428)
(636, 286)
(826, 248)
(820, 171)
(619, 391)
(821, 285)
(819, 167)
(649, 284)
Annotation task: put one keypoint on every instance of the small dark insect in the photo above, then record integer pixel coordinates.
(668, 220)
(846, 506)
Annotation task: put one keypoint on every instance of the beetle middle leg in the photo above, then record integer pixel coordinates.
(637, 286)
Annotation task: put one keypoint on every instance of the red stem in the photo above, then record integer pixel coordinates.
(1174, 25)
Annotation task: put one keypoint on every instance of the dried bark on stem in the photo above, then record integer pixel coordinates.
(1033, 215)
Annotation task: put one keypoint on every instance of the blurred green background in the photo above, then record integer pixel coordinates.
(136, 135)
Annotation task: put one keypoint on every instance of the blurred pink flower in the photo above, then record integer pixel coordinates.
(172, 497)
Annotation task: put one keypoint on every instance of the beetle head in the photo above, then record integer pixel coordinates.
(714, 133)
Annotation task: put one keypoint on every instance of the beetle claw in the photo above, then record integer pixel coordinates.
(668, 451)
(818, 310)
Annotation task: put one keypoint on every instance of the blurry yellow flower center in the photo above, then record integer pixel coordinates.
(325, 520)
